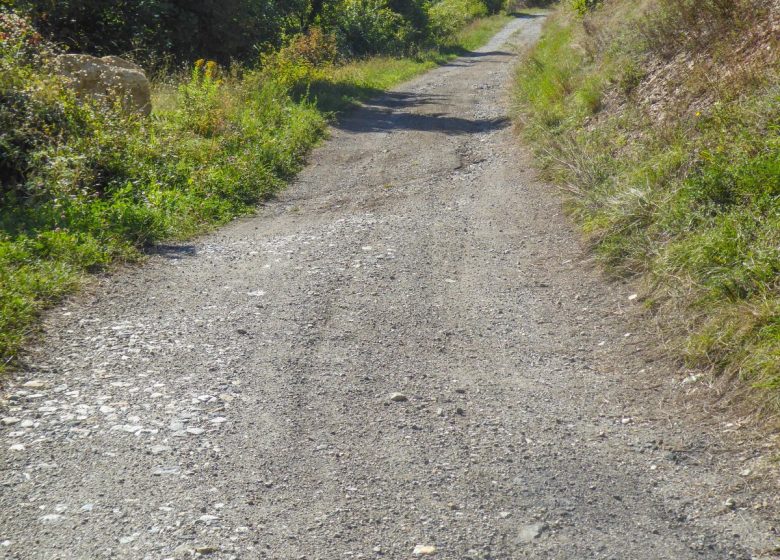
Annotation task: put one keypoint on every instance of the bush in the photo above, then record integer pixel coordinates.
(368, 27)
(582, 7)
(447, 17)
(305, 59)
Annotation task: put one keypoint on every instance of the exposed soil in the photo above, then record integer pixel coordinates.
(235, 398)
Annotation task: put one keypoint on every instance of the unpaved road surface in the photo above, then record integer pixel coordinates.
(232, 399)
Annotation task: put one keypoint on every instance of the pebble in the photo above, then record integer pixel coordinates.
(207, 519)
(424, 550)
(129, 428)
(504, 514)
(398, 397)
(218, 420)
(17, 447)
(35, 384)
(161, 471)
(51, 519)
(530, 532)
(10, 420)
(157, 449)
(195, 431)
(203, 550)
(27, 424)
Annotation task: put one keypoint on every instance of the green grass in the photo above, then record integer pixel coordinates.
(343, 86)
(83, 186)
(691, 207)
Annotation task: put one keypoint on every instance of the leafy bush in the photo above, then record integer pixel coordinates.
(305, 59)
(447, 17)
(582, 7)
(368, 27)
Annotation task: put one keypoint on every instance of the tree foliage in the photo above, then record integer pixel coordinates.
(154, 31)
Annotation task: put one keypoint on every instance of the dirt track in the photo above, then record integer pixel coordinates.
(232, 397)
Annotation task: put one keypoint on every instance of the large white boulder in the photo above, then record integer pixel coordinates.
(111, 78)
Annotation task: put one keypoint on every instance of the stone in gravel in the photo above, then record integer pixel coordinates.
(161, 471)
(129, 428)
(86, 508)
(398, 397)
(218, 420)
(157, 449)
(207, 519)
(16, 447)
(183, 550)
(530, 532)
(107, 409)
(27, 424)
(424, 550)
(195, 431)
(51, 519)
(504, 514)
(35, 384)
(203, 550)
(10, 420)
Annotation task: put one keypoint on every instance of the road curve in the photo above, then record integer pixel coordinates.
(407, 350)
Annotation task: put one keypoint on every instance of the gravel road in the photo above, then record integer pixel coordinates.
(406, 355)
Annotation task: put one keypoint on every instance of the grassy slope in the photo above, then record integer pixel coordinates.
(110, 186)
(690, 203)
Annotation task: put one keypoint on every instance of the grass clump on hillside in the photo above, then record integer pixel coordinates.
(678, 183)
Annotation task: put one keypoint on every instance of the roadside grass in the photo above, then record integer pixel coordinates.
(83, 186)
(340, 87)
(691, 205)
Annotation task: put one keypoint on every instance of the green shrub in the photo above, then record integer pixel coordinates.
(447, 17)
(368, 27)
(582, 7)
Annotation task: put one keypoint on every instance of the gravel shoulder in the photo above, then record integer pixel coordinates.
(408, 349)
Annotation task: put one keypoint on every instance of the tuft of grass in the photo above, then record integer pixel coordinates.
(691, 204)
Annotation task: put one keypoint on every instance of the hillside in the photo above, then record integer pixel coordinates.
(661, 120)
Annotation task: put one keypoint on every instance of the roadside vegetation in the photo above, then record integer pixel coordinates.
(661, 119)
(84, 185)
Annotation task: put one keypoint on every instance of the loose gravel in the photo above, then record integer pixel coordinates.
(407, 355)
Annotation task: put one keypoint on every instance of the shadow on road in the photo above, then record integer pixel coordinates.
(396, 111)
